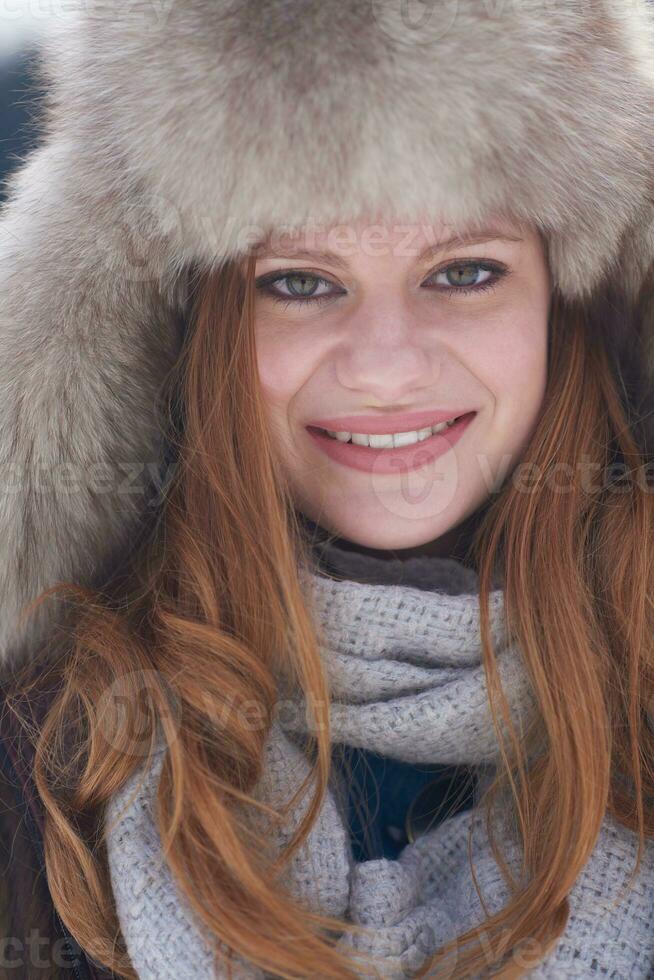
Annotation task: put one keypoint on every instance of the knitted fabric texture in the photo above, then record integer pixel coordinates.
(402, 649)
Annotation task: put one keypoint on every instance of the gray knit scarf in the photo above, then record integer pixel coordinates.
(401, 645)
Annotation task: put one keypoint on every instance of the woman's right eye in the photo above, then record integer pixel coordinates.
(301, 287)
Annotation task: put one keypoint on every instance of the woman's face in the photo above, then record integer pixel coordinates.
(374, 322)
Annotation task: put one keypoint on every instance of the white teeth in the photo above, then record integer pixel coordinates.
(381, 442)
(390, 440)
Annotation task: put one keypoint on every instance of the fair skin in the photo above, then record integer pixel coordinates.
(396, 333)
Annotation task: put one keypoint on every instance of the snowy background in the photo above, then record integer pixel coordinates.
(21, 21)
(22, 24)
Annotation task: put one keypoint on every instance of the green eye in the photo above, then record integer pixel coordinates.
(296, 287)
(300, 287)
(460, 277)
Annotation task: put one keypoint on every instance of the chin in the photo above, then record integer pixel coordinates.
(387, 538)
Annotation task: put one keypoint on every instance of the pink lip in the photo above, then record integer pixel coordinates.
(380, 424)
(396, 461)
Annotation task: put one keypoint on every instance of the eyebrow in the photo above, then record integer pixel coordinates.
(435, 248)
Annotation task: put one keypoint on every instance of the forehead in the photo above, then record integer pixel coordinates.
(415, 240)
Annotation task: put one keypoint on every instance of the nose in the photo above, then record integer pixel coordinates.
(387, 356)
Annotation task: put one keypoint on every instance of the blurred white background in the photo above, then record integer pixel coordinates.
(22, 24)
(21, 21)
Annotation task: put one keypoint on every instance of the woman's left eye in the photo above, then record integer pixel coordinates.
(461, 277)
(300, 287)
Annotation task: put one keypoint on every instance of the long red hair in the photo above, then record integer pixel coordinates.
(211, 611)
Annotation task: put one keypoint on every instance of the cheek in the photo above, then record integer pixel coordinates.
(515, 366)
(285, 362)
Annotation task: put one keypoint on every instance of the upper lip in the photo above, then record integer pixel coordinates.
(382, 424)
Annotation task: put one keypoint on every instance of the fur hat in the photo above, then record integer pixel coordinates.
(178, 131)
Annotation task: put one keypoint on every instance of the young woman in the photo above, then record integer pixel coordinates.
(326, 382)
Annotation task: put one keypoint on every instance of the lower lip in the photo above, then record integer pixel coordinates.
(398, 460)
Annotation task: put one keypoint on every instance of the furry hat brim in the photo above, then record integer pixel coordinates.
(176, 132)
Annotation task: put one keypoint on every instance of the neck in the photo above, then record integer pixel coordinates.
(455, 543)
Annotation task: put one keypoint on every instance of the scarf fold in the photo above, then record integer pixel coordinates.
(404, 660)
(402, 649)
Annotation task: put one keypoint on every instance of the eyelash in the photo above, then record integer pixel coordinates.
(499, 272)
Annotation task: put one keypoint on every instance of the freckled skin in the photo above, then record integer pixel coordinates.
(391, 337)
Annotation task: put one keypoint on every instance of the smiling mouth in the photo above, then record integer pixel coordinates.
(396, 440)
